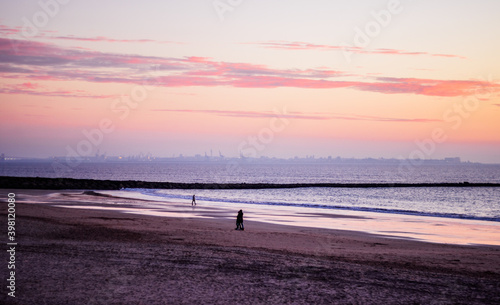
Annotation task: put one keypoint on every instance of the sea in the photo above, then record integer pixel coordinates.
(474, 203)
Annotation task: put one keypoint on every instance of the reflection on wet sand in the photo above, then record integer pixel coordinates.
(424, 228)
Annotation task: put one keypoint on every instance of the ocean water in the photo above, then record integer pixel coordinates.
(241, 172)
(477, 203)
(464, 203)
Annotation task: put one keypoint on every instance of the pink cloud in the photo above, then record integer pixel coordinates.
(296, 115)
(241, 114)
(29, 85)
(35, 89)
(8, 31)
(199, 59)
(16, 33)
(41, 61)
(296, 45)
(107, 39)
(429, 87)
(277, 81)
(206, 67)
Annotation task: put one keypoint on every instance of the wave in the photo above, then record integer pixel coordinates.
(157, 193)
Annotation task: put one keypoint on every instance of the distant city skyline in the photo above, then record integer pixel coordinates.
(148, 157)
(364, 79)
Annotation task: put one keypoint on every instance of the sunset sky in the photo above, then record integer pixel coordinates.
(392, 79)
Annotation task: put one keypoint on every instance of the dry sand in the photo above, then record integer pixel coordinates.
(76, 256)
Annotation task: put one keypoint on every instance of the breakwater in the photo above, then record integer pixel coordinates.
(7, 182)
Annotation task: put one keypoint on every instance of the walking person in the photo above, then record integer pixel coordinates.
(193, 202)
(239, 221)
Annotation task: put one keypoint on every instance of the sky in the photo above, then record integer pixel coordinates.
(382, 79)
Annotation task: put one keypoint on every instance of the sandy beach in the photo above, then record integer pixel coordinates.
(97, 256)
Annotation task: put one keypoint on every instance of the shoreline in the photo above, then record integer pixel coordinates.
(12, 182)
(397, 226)
(97, 256)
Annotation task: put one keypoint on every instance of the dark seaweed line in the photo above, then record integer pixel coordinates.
(90, 184)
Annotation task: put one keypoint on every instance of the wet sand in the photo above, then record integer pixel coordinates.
(417, 227)
(93, 256)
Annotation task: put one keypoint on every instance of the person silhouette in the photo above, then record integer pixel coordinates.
(239, 221)
(193, 202)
